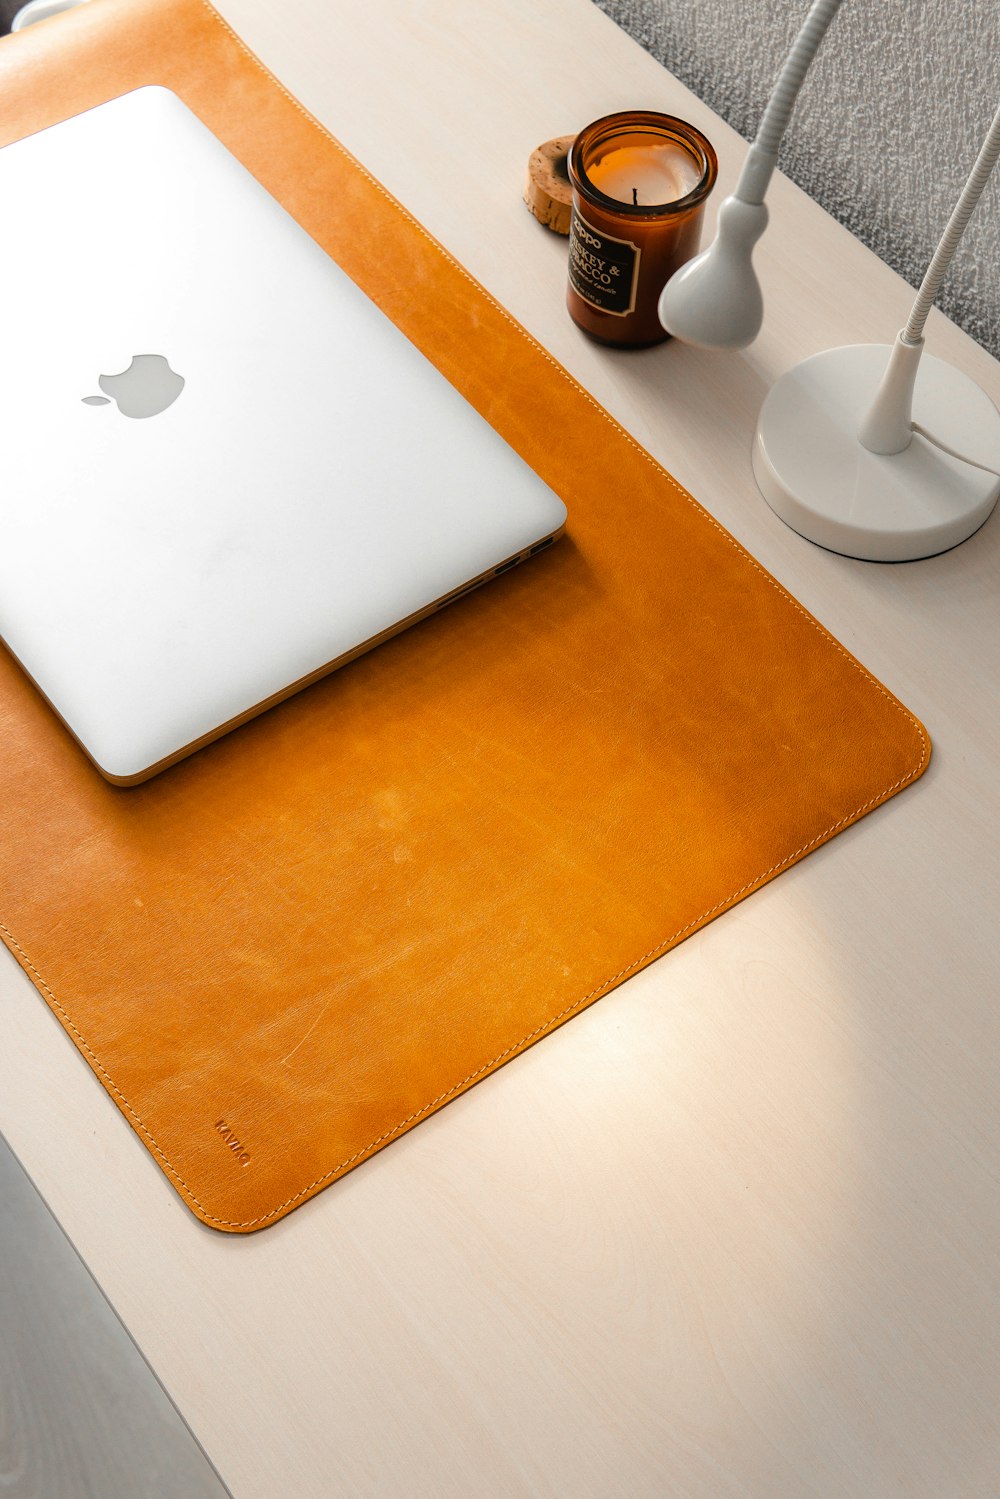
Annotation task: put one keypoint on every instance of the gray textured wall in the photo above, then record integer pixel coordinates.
(886, 128)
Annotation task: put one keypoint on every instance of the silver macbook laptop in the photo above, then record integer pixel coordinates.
(223, 471)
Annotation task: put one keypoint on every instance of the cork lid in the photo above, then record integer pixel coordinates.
(547, 191)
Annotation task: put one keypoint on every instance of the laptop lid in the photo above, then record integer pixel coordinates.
(225, 471)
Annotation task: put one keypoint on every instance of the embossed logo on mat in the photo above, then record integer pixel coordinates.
(235, 1145)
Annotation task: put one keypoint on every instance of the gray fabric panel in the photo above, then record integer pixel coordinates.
(886, 128)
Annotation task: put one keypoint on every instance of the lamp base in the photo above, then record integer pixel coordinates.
(813, 471)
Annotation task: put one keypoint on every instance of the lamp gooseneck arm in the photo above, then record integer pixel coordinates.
(887, 426)
(715, 300)
(763, 155)
(961, 214)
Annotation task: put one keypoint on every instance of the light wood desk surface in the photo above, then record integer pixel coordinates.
(735, 1230)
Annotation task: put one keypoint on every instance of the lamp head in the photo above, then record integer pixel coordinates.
(715, 300)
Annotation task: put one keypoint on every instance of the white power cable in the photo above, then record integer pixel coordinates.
(943, 447)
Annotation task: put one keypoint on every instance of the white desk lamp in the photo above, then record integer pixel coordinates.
(866, 450)
(714, 300)
(875, 452)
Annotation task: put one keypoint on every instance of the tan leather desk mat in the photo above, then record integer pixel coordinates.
(288, 950)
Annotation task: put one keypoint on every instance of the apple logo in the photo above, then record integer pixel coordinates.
(146, 388)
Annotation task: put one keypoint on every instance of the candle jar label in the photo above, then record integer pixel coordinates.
(602, 270)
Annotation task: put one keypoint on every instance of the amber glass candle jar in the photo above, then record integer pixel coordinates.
(640, 181)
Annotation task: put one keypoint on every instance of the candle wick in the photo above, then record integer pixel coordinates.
(635, 197)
